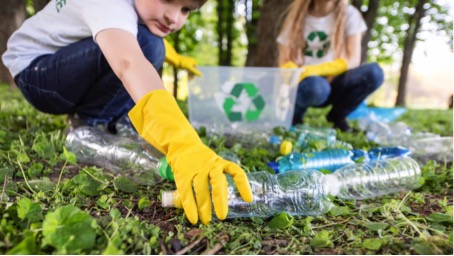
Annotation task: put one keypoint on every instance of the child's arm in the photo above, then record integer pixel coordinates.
(126, 59)
(159, 120)
(353, 52)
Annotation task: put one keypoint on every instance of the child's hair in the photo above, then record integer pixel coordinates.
(293, 28)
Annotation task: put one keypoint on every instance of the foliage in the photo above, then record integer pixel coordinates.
(51, 205)
(391, 26)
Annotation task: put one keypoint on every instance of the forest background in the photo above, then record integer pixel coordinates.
(411, 39)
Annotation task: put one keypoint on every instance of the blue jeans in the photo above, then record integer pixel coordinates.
(344, 93)
(78, 80)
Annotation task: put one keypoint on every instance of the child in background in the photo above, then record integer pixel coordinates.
(99, 60)
(324, 37)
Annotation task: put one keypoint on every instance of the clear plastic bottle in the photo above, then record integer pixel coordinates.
(306, 192)
(331, 159)
(432, 148)
(383, 133)
(129, 156)
(295, 192)
(376, 178)
(309, 134)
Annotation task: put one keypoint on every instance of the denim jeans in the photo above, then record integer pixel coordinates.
(78, 80)
(344, 93)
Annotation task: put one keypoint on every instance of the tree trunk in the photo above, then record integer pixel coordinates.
(369, 17)
(13, 14)
(251, 29)
(414, 22)
(220, 30)
(267, 31)
(230, 33)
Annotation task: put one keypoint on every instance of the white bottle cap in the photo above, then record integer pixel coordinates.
(333, 184)
(167, 199)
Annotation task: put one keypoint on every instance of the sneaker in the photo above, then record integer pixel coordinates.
(340, 123)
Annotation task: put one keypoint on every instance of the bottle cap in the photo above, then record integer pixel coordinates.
(273, 166)
(164, 169)
(170, 199)
(286, 147)
(167, 199)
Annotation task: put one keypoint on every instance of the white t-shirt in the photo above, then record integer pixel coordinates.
(64, 22)
(318, 33)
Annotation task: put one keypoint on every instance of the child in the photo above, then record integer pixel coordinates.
(324, 37)
(98, 59)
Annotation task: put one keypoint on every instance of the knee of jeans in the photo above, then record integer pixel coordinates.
(152, 46)
(374, 76)
(315, 90)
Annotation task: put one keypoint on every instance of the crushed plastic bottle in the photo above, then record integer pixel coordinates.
(307, 192)
(432, 148)
(129, 156)
(424, 146)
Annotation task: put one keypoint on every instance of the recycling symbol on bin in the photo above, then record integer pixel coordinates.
(317, 44)
(243, 103)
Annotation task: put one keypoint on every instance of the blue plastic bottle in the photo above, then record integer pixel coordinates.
(387, 152)
(328, 159)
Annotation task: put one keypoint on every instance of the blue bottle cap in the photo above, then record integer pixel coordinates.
(273, 166)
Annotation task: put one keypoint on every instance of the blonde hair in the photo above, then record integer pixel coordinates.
(293, 30)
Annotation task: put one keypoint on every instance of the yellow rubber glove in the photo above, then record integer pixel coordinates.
(159, 120)
(180, 61)
(331, 68)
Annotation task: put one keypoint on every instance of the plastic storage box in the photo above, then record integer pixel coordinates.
(230, 99)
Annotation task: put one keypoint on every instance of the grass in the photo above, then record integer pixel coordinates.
(51, 205)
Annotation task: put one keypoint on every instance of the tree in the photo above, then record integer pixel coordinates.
(268, 25)
(13, 13)
(369, 17)
(414, 23)
(225, 30)
(252, 8)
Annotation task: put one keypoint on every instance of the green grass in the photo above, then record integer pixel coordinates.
(51, 205)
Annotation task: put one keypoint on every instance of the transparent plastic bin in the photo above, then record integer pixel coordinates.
(230, 99)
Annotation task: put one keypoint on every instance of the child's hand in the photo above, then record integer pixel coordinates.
(180, 61)
(190, 64)
(159, 120)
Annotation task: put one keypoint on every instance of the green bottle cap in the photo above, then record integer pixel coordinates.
(165, 171)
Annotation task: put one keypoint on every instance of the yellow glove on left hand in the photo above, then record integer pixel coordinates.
(159, 121)
(180, 61)
(331, 68)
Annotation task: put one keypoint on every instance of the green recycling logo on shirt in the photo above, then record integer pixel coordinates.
(59, 4)
(243, 103)
(317, 44)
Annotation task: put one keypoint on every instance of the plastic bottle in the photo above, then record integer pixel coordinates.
(306, 192)
(129, 156)
(386, 152)
(331, 159)
(309, 134)
(383, 133)
(295, 192)
(432, 148)
(376, 178)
